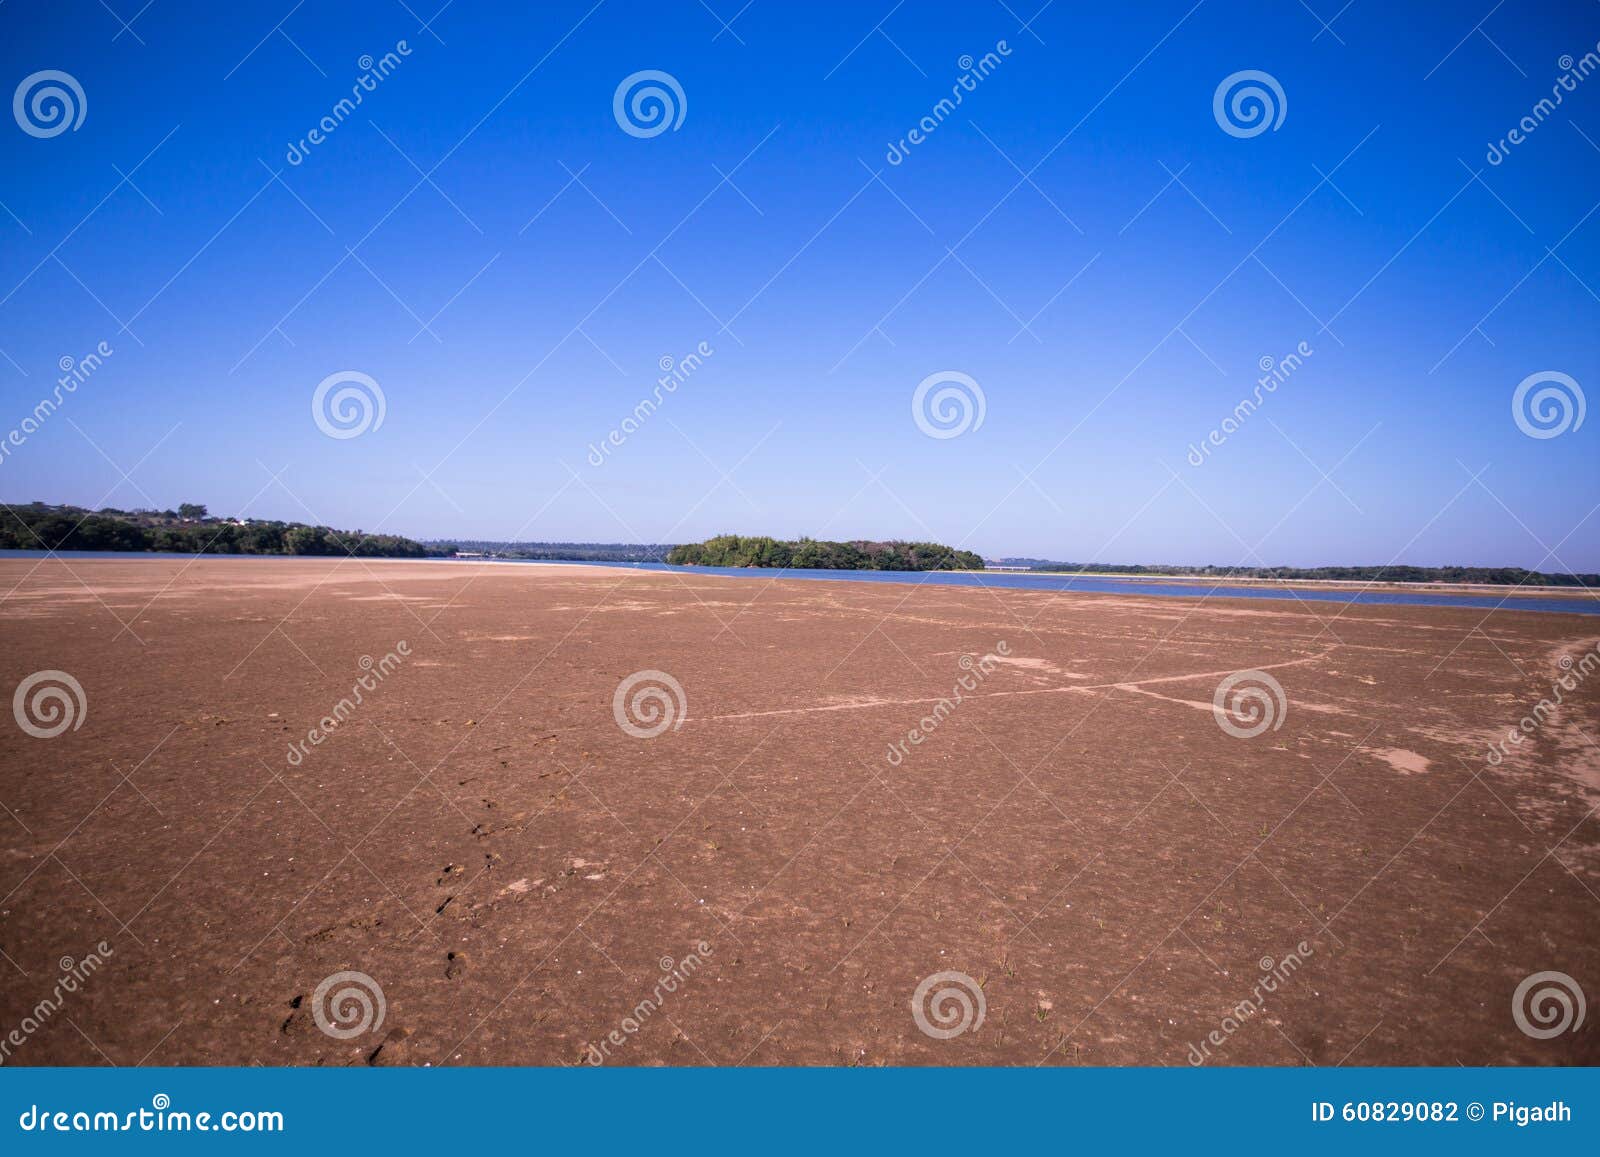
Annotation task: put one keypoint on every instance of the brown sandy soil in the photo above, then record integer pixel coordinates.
(510, 867)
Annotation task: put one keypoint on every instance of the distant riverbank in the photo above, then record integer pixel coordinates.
(1497, 589)
(1507, 599)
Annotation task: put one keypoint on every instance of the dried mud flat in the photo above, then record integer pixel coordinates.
(514, 870)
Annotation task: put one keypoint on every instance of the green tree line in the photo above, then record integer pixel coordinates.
(41, 527)
(814, 554)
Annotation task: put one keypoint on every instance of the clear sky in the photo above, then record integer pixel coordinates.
(1081, 236)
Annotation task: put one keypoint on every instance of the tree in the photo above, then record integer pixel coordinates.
(810, 554)
(191, 510)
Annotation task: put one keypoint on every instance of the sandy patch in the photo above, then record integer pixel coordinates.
(1403, 761)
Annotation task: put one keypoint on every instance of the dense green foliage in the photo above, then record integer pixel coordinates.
(811, 554)
(1497, 575)
(41, 527)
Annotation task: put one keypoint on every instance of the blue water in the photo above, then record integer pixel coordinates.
(1039, 582)
(1121, 586)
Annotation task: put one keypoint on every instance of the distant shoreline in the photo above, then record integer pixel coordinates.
(1402, 593)
(1509, 589)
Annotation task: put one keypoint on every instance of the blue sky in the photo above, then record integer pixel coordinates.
(1080, 237)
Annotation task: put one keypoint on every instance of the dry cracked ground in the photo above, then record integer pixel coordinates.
(1115, 876)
